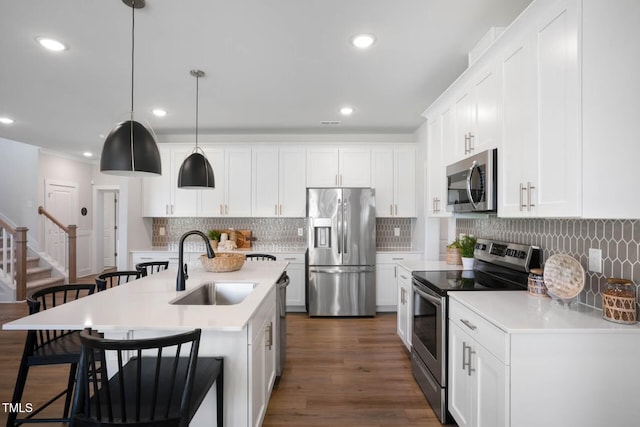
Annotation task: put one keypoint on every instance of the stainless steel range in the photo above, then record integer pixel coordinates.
(500, 266)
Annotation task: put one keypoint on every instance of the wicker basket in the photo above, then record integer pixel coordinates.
(223, 262)
(453, 256)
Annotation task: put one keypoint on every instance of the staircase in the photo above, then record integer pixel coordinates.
(39, 275)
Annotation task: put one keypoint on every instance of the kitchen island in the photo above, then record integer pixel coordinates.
(242, 333)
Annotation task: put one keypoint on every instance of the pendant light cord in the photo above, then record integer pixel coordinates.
(197, 103)
(133, 39)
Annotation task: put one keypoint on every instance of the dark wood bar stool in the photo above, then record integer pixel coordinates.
(163, 384)
(49, 347)
(150, 267)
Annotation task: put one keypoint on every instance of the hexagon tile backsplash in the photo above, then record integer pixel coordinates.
(619, 241)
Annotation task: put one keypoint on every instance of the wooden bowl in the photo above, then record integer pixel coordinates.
(223, 262)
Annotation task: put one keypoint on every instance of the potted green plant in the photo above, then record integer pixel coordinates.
(467, 245)
(214, 238)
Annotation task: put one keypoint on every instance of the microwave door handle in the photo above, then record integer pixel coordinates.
(469, 173)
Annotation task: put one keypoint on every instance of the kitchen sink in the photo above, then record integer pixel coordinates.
(217, 293)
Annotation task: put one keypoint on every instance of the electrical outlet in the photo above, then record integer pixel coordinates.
(396, 231)
(161, 231)
(595, 260)
(300, 232)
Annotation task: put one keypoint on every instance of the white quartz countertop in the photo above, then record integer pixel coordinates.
(519, 312)
(425, 265)
(144, 304)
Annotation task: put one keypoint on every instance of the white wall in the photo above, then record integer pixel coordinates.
(19, 186)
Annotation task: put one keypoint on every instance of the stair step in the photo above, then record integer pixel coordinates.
(36, 273)
(34, 285)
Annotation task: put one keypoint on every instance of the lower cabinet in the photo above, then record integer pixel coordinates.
(386, 278)
(296, 292)
(405, 306)
(262, 362)
(477, 381)
(172, 257)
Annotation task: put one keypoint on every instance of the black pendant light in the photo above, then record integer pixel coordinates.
(196, 171)
(130, 149)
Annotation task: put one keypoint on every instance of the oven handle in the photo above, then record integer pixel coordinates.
(469, 173)
(431, 298)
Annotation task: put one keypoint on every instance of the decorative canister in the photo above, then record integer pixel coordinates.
(619, 301)
(536, 283)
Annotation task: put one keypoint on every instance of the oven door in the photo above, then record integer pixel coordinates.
(429, 333)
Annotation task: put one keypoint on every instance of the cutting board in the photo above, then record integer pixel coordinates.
(243, 240)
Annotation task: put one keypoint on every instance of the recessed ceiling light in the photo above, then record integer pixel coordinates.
(363, 41)
(87, 154)
(51, 44)
(159, 112)
(346, 111)
(6, 120)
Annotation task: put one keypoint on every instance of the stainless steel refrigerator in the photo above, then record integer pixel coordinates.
(341, 277)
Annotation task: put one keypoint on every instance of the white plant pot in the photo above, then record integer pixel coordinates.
(467, 263)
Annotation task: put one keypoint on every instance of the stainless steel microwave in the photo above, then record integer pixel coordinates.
(472, 183)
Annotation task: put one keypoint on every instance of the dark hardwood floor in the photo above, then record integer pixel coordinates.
(339, 372)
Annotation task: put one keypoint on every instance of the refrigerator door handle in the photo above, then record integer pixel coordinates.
(340, 223)
(345, 232)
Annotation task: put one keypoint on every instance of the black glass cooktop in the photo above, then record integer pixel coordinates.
(442, 282)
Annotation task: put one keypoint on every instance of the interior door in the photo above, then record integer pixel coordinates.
(61, 201)
(109, 232)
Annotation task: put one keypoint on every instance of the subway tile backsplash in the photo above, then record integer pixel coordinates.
(277, 233)
(619, 241)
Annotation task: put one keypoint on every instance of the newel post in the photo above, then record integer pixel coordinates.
(72, 253)
(21, 263)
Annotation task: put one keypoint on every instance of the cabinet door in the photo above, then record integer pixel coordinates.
(485, 112)
(382, 180)
(518, 161)
(491, 383)
(405, 183)
(355, 167)
(461, 388)
(464, 108)
(156, 191)
(293, 183)
(258, 377)
(386, 287)
(436, 202)
(403, 301)
(559, 189)
(238, 182)
(185, 202)
(265, 182)
(211, 202)
(296, 289)
(322, 167)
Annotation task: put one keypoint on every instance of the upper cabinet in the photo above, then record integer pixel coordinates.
(393, 176)
(553, 94)
(339, 167)
(477, 109)
(230, 197)
(439, 126)
(279, 184)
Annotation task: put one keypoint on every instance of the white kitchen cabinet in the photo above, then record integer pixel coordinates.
(339, 167)
(405, 306)
(137, 257)
(232, 171)
(296, 293)
(477, 382)
(386, 278)
(161, 195)
(436, 198)
(262, 365)
(539, 168)
(279, 182)
(393, 177)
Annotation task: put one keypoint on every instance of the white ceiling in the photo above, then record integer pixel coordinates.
(272, 66)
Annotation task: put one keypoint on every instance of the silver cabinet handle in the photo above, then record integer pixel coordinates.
(529, 188)
(522, 189)
(466, 143)
(226, 209)
(465, 363)
(402, 276)
(280, 209)
(468, 324)
(276, 211)
(221, 211)
(336, 180)
(471, 138)
(391, 209)
(471, 352)
(269, 332)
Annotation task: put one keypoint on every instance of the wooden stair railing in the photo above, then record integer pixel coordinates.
(70, 231)
(14, 257)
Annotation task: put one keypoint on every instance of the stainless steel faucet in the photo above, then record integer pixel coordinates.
(182, 267)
